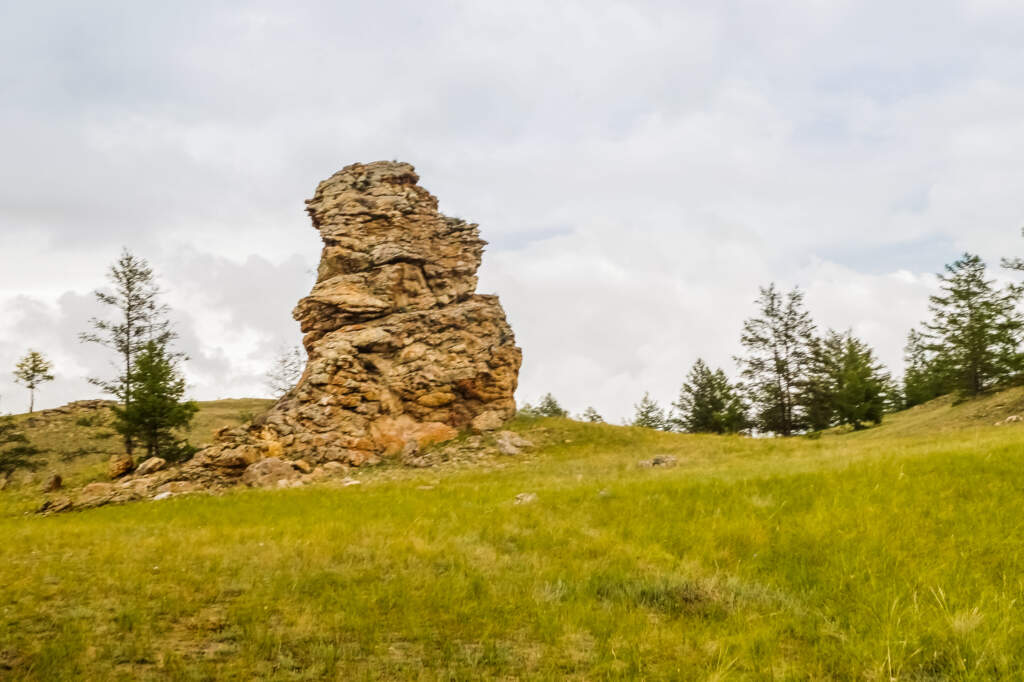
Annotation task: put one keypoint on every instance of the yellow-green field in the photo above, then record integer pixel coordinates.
(895, 553)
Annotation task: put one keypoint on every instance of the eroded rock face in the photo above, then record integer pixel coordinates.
(401, 348)
(403, 353)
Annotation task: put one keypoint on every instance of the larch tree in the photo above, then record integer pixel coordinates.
(649, 414)
(924, 378)
(138, 318)
(32, 371)
(549, 407)
(777, 344)
(975, 331)
(158, 410)
(844, 384)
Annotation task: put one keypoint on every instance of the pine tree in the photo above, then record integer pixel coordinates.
(821, 382)
(975, 331)
(924, 378)
(862, 392)
(649, 414)
(591, 415)
(708, 403)
(844, 384)
(15, 450)
(140, 319)
(777, 346)
(549, 407)
(32, 371)
(158, 408)
(287, 371)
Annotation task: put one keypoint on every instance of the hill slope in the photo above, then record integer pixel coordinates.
(891, 553)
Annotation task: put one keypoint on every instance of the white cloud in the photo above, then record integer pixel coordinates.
(639, 167)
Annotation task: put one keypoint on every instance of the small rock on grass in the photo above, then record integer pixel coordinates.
(659, 461)
(526, 498)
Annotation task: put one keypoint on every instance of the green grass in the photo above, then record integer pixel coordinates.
(894, 553)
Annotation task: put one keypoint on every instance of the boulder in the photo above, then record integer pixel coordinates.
(95, 494)
(120, 465)
(268, 473)
(488, 421)
(151, 465)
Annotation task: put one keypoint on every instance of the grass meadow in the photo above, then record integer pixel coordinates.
(891, 554)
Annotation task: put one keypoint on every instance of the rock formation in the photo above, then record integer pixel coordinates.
(402, 352)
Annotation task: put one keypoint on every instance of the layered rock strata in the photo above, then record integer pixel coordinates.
(402, 352)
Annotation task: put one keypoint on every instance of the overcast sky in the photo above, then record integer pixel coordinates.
(639, 168)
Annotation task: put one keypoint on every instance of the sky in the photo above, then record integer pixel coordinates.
(639, 168)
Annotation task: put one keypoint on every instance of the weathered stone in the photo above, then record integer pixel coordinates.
(54, 484)
(526, 498)
(487, 421)
(120, 465)
(399, 346)
(151, 465)
(268, 473)
(55, 505)
(302, 466)
(95, 493)
(511, 443)
(177, 487)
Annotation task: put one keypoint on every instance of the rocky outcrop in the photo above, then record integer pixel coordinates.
(120, 465)
(402, 352)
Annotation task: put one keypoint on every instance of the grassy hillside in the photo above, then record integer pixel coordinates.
(77, 446)
(895, 553)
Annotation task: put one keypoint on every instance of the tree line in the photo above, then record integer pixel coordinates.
(794, 379)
